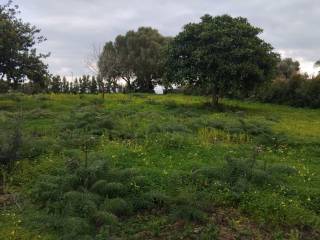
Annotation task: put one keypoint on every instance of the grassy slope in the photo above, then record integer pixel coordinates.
(167, 136)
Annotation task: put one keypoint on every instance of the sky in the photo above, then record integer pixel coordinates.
(74, 28)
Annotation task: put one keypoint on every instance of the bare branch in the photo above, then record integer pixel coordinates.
(91, 60)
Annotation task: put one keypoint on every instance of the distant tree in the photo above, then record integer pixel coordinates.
(101, 85)
(136, 58)
(82, 84)
(317, 65)
(65, 85)
(110, 68)
(94, 86)
(76, 87)
(221, 54)
(19, 59)
(56, 84)
(71, 87)
(288, 68)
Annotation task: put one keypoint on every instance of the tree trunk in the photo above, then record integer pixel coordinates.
(215, 99)
(3, 182)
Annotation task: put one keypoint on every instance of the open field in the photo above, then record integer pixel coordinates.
(141, 166)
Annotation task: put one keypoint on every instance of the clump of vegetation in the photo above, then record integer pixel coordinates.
(87, 194)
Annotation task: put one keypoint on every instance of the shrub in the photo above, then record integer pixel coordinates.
(118, 206)
(80, 204)
(109, 189)
(101, 218)
(298, 91)
(188, 213)
(157, 200)
(75, 228)
(106, 123)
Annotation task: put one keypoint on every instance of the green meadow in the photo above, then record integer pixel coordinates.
(142, 166)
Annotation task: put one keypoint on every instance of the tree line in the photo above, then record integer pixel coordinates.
(86, 84)
(220, 56)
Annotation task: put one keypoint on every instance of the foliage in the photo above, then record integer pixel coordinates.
(298, 91)
(288, 67)
(221, 54)
(19, 59)
(135, 57)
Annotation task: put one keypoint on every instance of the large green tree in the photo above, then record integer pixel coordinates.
(19, 59)
(110, 68)
(136, 58)
(220, 54)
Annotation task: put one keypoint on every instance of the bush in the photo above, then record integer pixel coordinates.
(101, 218)
(298, 91)
(157, 200)
(109, 189)
(75, 228)
(188, 213)
(118, 206)
(80, 204)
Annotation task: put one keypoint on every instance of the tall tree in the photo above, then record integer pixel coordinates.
(317, 65)
(136, 58)
(56, 84)
(101, 85)
(19, 59)
(65, 85)
(83, 84)
(110, 67)
(93, 86)
(76, 86)
(221, 54)
(288, 67)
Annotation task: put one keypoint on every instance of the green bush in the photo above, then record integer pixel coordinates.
(76, 228)
(80, 204)
(109, 189)
(118, 206)
(298, 91)
(157, 200)
(101, 218)
(188, 213)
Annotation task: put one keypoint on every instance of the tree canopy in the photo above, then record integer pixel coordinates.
(136, 57)
(221, 54)
(18, 56)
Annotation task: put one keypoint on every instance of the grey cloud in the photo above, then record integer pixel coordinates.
(72, 26)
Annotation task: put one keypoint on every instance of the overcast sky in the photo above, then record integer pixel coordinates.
(72, 27)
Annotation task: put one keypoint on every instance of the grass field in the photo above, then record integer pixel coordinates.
(161, 167)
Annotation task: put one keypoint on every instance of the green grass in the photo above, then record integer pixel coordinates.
(168, 176)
